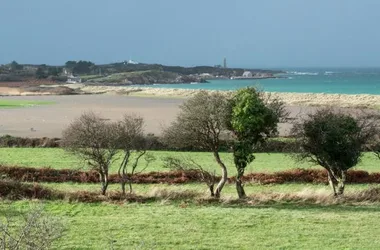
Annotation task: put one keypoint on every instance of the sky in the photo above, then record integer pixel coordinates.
(249, 33)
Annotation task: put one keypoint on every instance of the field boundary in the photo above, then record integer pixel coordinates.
(299, 175)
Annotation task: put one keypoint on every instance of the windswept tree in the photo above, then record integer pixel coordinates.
(200, 124)
(134, 145)
(254, 118)
(40, 73)
(96, 141)
(335, 141)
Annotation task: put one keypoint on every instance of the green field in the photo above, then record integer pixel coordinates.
(264, 162)
(116, 77)
(21, 103)
(181, 226)
(187, 223)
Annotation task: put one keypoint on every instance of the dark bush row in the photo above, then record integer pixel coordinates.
(271, 146)
(310, 176)
(67, 175)
(11, 141)
(177, 177)
(15, 190)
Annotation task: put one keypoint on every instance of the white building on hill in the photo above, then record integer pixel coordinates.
(73, 79)
(247, 74)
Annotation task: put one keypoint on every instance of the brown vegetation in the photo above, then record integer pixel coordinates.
(179, 177)
(13, 190)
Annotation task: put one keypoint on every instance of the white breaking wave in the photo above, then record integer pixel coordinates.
(303, 73)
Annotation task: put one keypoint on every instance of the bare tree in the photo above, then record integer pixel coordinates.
(200, 124)
(133, 143)
(96, 141)
(189, 165)
(37, 231)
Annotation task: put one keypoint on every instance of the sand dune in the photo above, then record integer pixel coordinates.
(303, 99)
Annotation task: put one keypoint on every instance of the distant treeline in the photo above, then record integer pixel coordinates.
(19, 72)
(275, 145)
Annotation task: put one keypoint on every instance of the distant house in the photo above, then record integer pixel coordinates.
(206, 75)
(132, 62)
(247, 74)
(73, 79)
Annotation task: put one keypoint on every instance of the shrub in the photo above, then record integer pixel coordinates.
(335, 141)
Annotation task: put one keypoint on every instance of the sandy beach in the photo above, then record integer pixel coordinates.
(157, 106)
(50, 120)
(293, 99)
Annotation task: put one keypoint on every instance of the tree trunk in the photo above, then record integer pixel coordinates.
(337, 181)
(122, 172)
(341, 182)
(211, 188)
(223, 180)
(331, 181)
(104, 182)
(239, 184)
(130, 185)
(123, 186)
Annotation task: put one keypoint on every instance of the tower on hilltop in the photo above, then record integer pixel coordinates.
(225, 63)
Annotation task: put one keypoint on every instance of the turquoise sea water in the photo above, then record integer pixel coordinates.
(342, 81)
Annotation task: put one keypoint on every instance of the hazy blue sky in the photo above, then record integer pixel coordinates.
(270, 33)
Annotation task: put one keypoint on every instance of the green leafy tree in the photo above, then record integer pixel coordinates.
(335, 141)
(83, 67)
(40, 73)
(70, 64)
(253, 119)
(15, 66)
(53, 71)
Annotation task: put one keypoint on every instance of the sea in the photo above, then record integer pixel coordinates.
(302, 80)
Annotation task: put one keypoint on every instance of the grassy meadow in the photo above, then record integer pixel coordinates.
(191, 226)
(6, 104)
(265, 162)
(188, 223)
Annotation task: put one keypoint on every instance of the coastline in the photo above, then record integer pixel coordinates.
(293, 99)
(289, 98)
